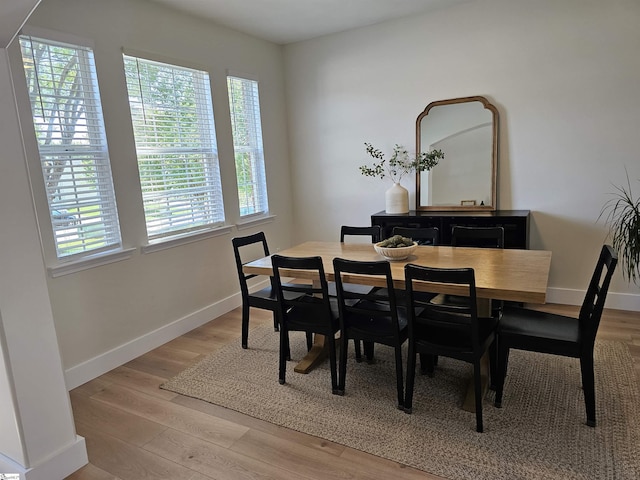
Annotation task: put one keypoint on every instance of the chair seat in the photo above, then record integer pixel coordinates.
(270, 294)
(349, 287)
(540, 331)
(266, 298)
(457, 300)
(451, 337)
(266, 293)
(401, 295)
(363, 326)
(302, 317)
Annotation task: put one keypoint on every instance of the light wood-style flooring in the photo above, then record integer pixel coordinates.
(135, 431)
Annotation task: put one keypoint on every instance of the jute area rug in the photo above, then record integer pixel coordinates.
(539, 432)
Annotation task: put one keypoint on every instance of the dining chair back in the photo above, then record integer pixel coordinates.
(264, 298)
(305, 307)
(490, 237)
(371, 317)
(481, 237)
(374, 231)
(421, 235)
(538, 331)
(447, 330)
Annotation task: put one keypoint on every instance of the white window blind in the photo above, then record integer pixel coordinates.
(67, 116)
(244, 104)
(172, 116)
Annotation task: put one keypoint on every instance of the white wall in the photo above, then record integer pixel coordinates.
(564, 75)
(14, 14)
(111, 312)
(37, 434)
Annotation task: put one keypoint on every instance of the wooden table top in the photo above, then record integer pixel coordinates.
(501, 274)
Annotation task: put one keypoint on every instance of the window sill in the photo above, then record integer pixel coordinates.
(176, 241)
(244, 224)
(97, 260)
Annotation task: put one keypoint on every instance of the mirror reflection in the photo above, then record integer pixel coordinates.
(465, 129)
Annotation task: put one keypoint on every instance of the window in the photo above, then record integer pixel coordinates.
(247, 145)
(67, 116)
(172, 117)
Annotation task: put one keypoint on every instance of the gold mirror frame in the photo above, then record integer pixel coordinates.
(465, 205)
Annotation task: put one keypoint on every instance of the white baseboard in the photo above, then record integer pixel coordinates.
(57, 467)
(616, 301)
(90, 369)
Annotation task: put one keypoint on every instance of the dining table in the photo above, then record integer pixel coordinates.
(512, 275)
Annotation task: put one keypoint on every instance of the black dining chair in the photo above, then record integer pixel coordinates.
(372, 317)
(245, 249)
(420, 235)
(536, 331)
(305, 308)
(447, 330)
(423, 236)
(479, 237)
(374, 231)
(264, 298)
(485, 237)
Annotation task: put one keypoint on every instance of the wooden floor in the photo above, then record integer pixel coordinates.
(135, 431)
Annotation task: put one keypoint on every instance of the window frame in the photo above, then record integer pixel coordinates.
(259, 207)
(212, 187)
(97, 186)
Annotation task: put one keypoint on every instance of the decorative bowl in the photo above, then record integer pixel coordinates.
(395, 253)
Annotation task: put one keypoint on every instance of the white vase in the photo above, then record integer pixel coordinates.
(397, 199)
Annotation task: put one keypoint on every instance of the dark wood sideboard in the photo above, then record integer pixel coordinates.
(514, 222)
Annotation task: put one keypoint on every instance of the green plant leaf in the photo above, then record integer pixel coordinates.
(400, 163)
(621, 214)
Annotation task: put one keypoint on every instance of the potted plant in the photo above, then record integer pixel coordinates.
(622, 215)
(399, 164)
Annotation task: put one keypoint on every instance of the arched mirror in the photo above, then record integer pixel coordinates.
(466, 130)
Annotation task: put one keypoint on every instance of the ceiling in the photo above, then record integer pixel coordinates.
(288, 21)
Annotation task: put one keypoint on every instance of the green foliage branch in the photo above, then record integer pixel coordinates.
(400, 163)
(622, 215)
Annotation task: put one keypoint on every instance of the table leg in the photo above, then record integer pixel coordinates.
(319, 351)
(469, 404)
